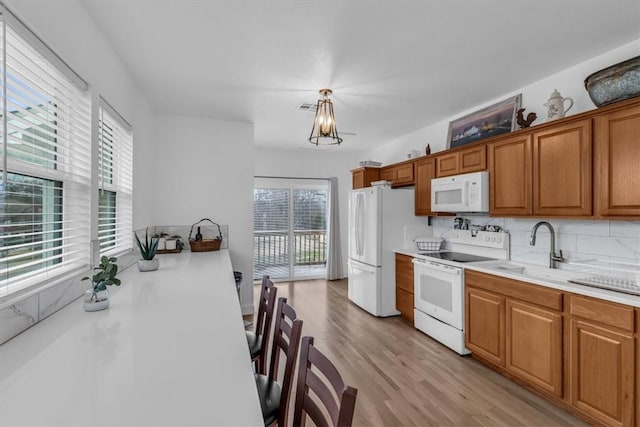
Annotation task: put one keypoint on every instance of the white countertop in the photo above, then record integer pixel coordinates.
(559, 282)
(171, 350)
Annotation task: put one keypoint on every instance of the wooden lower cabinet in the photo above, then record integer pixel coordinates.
(578, 351)
(534, 345)
(404, 286)
(602, 373)
(484, 324)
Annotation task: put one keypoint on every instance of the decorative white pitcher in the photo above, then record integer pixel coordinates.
(555, 105)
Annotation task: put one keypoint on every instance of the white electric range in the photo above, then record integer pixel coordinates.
(439, 282)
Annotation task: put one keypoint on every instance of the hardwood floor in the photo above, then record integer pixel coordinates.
(403, 377)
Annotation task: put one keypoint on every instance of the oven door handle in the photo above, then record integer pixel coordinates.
(421, 263)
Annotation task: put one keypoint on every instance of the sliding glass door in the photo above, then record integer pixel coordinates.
(290, 228)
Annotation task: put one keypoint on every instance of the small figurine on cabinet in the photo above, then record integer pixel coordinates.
(525, 123)
(427, 150)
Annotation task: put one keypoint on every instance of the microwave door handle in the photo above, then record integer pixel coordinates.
(465, 193)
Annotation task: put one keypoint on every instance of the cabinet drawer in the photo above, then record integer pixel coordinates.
(404, 303)
(534, 294)
(404, 272)
(608, 313)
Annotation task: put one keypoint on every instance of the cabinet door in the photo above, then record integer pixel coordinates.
(617, 159)
(562, 170)
(357, 178)
(484, 323)
(602, 369)
(473, 159)
(447, 164)
(425, 170)
(403, 174)
(404, 286)
(386, 174)
(510, 176)
(534, 345)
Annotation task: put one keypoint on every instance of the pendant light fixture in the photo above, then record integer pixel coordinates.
(324, 131)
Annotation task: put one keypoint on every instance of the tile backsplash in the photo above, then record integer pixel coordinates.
(580, 240)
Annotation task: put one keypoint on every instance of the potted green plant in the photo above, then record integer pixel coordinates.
(97, 298)
(148, 250)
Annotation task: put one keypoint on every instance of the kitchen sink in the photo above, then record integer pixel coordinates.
(529, 271)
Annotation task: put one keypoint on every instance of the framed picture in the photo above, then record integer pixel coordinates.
(490, 121)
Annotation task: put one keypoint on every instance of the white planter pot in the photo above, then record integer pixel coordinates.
(96, 303)
(148, 265)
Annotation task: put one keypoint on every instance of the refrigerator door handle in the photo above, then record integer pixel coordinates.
(360, 224)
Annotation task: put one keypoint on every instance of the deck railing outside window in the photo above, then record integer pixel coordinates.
(271, 248)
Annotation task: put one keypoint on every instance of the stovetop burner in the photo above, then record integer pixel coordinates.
(456, 256)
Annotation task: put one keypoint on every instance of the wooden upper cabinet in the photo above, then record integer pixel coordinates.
(562, 179)
(425, 170)
(386, 173)
(510, 176)
(400, 174)
(463, 161)
(363, 177)
(447, 164)
(617, 163)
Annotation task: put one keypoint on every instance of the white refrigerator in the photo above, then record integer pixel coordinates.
(377, 216)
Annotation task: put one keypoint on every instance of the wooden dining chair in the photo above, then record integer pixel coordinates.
(258, 340)
(274, 394)
(338, 399)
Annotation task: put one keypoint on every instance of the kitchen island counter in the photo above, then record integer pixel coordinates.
(171, 350)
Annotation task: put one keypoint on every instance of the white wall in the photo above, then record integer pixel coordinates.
(313, 164)
(569, 82)
(203, 168)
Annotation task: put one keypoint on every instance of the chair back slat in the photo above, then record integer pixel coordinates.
(262, 303)
(325, 366)
(286, 339)
(321, 390)
(315, 413)
(340, 406)
(265, 318)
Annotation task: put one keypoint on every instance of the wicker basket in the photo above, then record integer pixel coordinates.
(205, 245)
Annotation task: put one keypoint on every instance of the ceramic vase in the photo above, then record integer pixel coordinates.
(97, 302)
(148, 264)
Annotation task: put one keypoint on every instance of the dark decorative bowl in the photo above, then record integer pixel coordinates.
(615, 83)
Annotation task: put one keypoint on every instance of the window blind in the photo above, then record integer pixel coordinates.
(115, 162)
(45, 144)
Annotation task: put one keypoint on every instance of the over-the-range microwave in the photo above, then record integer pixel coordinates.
(461, 193)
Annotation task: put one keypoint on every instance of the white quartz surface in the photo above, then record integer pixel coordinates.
(171, 350)
(556, 280)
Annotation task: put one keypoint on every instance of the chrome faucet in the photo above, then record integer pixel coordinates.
(554, 258)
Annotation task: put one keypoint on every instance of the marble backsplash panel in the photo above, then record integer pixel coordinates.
(580, 240)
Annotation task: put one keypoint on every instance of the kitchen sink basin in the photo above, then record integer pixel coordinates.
(530, 271)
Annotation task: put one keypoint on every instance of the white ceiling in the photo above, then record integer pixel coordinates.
(395, 66)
